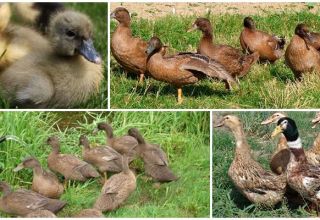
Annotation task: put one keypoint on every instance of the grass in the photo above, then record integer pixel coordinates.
(97, 12)
(265, 86)
(184, 136)
(227, 201)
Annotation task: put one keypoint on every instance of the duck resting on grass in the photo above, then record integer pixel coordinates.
(250, 178)
(301, 175)
(183, 68)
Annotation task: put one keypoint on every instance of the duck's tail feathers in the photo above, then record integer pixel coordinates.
(55, 205)
(281, 42)
(89, 171)
(247, 61)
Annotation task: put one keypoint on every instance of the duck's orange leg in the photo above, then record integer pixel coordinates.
(141, 78)
(180, 96)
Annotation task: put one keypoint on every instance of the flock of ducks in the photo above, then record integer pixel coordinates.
(294, 170)
(54, 64)
(212, 60)
(114, 156)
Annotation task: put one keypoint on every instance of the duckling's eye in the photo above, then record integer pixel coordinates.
(70, 34)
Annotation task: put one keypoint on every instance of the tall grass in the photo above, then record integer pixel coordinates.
(227, 201)
(184, 136)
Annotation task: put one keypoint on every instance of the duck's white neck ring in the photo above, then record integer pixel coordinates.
(295, 144)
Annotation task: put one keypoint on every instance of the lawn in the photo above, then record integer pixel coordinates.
(227, 201)
(265, 86)
(97, 13)
(184, 136)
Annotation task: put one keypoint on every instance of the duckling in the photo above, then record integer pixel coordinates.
(129, 51)
(250, 178)
(302, 176)
(300, 55)
(44, 182)
(116, 189)
(231, 58)
(125, 145)
(281, 156)
(89, 213)
(71, 167)
(104, 158)
(184, 68)
(22, 201)
(62, 77)
(41, 214)
(268, 46)
(155, 159)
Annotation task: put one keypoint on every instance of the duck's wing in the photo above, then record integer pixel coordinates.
(29, 199)
(106, 153)
(155, 156)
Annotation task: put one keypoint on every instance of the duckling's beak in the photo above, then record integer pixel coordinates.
(267, 121)
(192, 28)
(276, 131)
(89, 52)
(18, 168)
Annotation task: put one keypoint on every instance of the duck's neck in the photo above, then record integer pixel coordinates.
(124, 28)
(241, 140)
(295, 147)
(55, 150)
(37, 170)
(207, 37)
(6, 190)
(109, 132)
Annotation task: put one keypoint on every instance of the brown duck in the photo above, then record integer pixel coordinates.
(71, 167)
(250, 178)
(41, 214)
(231, 58)
(89, 213)
(116, 189)
(22, 202)
(182, 69)
(129, 51)
(125, 145)
(44, 182)
(104, 158)
(268, 46)
(155, 159)
(300, 55)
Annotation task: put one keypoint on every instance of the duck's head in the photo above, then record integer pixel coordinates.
(231, 122)
(53, 141)
(154, 45)
(71, 35)
(201, 24)
(316, 120)
(288, 127)
(302, 31)
(83, 141)
(29, 162)
(273, 118)
(249, 23)
(122, 15)
(5, 15)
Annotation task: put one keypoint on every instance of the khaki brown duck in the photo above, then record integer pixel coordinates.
(66, 75)
(104, 158)
(89, 213)
(71, 167)
(155, 159)
(43, 182)
(129, 51)
(22, 202)
(41, 214)
(231, 58)
(250, 178)
(269, 47)
(183, 68)
(116, 189)
(300, 54)
(302, 176)
(125, 145)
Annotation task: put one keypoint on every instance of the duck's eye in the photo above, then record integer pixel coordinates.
(70, 34)
(227, 117)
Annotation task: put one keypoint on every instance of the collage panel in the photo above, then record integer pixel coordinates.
(125, 164)
(265, 164)
(53, 55)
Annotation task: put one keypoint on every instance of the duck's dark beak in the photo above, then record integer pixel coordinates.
(2, 139)
(18, 168)
(219, 124)
(149, 49)
(89, 52)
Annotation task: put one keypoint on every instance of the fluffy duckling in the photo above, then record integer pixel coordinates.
(184, 68)
(63, 77)
(41, 214)
(129, 51)
(155, 159)
(104, 158)
(251, 179)
(231, 58)
(71, 167)
(268, 46)
(125, 145)
(44, 182)
(300, 55)
(116, 189)
(22, 202)
(302, 176)
(281, 156)
(89, 213)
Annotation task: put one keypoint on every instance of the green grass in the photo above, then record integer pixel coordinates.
(265, 86)
(97, 13)
(184, 136)
(227, 201)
